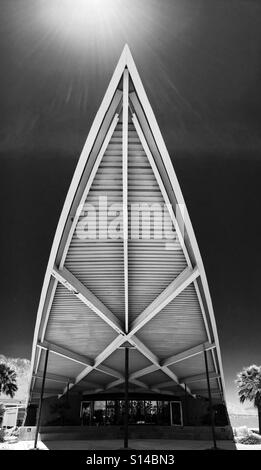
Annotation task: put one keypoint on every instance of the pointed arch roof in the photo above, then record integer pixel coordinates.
(100, 293)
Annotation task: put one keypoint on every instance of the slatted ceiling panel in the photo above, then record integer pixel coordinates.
(149, 273)
(202, 385)
(98, 263)
(84, 386)
(113, 390)
(49, 385)
(98, 378)
(193, 366)
(136, 361)
(171, 387)
(154, 378)
(151, 266)
(76, 327)
(61, 365)
(177, 327)
(132, 387)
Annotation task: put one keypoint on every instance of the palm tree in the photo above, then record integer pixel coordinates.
(7, 380)
(2, 412)
(249, 387)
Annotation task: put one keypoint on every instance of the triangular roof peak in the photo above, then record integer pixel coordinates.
(127, 52)
(125, 60)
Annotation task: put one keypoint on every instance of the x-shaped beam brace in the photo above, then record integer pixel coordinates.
(182, 281)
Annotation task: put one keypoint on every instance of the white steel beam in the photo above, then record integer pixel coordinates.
(173, 290)
(87, 297)
(142, 372)
(88, 186)
(182, 356)
(160, 183)
(153, 358)
(115, 383)
(53, 348)
(135, 341)
(90, 392)
(125, 190)
(176, 219)
(109, 371)
(99, 359)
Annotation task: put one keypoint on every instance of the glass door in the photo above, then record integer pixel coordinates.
(85, 413)
(176, 418)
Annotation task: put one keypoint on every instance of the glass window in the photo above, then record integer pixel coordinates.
(99, 416)
(110, 412)
(85, 412)
(163, 413)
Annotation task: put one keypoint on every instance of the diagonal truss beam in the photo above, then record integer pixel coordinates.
(87, 297)
(145, 371)
(99, 359)
(190, 379)
(53, 348)
(109, 371)
(173, 290)
(156, 366)
(188, 353)
(89, 363)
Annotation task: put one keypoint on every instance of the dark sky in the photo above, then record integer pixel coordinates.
(200, 65)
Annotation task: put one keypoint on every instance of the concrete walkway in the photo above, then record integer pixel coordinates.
(135, 444)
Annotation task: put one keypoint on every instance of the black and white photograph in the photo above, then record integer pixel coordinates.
(130, 228)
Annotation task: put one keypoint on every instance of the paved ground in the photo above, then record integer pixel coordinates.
(146, 444)
(135, 444)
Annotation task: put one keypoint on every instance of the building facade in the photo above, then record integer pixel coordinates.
(125, 319)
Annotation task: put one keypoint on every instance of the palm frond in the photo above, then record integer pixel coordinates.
(249, 385)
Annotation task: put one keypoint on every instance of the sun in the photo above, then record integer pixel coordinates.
(79, 19)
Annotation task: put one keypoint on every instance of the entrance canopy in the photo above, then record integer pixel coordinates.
(125, 266)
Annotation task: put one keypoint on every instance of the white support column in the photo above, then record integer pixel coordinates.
(125, 189)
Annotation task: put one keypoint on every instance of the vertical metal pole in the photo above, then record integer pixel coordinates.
(67, 391)
(92, 413)
(126, 416)
(41, 399)
(186, 404)
(210, 402)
